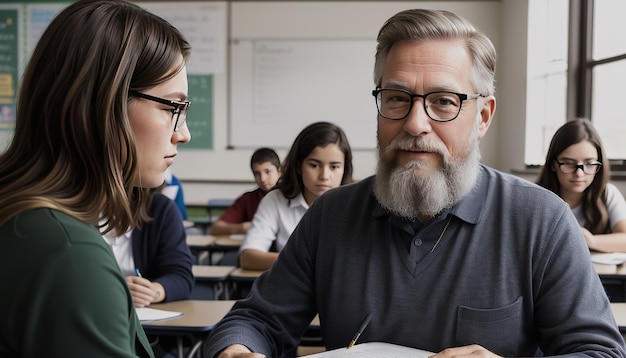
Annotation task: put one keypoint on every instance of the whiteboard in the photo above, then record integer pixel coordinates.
(279, 86)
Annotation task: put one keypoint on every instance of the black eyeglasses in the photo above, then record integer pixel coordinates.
(179, 112)
(587, 168)
(440, 106)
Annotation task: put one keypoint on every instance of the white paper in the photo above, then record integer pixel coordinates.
(375, 350)
(614, 258)
(146, 314)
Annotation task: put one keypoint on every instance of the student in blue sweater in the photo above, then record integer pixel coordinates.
(155, 257)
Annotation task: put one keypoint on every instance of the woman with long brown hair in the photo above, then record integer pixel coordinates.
(100, 112)
(577, 170)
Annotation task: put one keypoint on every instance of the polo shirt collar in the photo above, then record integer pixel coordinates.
(466, 209)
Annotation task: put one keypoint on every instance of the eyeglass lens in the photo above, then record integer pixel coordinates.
(587, 168)
(181, 115)
(439, 106)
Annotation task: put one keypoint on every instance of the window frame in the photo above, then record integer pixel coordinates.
(581, 64)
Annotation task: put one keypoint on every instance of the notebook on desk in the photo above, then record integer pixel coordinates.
(374, 350)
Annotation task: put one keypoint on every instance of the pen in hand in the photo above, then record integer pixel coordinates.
(366, 321)
(137, 273)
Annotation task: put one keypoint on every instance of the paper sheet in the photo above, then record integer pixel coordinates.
(614, 258)
(374, 350)
(146, 314)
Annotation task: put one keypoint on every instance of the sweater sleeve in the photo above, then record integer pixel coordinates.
(584, 324)
(163, 254)
(80, 307)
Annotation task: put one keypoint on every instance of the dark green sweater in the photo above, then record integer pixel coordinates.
(62, 292)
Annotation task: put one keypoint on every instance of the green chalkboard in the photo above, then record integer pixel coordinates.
(200, 116)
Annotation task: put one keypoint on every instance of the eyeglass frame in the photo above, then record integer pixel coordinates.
(179, 107)
(596, 164)
(462, 98)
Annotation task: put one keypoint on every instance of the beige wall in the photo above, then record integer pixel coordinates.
(490, 16)
(205, 172)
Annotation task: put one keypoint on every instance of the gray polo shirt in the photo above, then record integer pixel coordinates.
(511, 272)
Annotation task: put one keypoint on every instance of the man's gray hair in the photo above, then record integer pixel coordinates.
(422, 25)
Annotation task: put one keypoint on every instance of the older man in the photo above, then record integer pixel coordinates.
(445, 254)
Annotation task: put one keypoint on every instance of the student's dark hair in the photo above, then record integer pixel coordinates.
(73, 149)
(319, 134)
(264, 155)
(594, 198)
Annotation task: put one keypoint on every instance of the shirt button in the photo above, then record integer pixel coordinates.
(417, 242)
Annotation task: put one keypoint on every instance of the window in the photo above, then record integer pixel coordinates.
(598, 62)
(546, 75)
(577, 56)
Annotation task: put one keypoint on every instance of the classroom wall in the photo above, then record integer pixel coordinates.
(223, 172)
(208, 174)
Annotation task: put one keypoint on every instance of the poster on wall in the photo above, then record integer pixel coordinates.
(203, 23)
(9, 59)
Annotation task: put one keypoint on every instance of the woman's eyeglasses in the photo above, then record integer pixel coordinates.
(587, 168)
(179, 110)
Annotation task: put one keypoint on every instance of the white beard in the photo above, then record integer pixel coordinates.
(409, 193)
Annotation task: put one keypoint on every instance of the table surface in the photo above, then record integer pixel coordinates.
(240, 274)
(619, 312)
(211, 272)
(198, 316)
(202, 241)
(208, 241)
(225, 241)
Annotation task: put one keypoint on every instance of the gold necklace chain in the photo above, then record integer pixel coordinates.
(441, 235)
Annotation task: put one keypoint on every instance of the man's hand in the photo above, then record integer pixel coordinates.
(473, 351)
(238, 351)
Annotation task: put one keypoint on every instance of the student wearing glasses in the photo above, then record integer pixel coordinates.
(101, 111)
(577, 169)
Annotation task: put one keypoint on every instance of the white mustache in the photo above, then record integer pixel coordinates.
(417, 144)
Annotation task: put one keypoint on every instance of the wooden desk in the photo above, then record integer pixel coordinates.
(201, 245)
(198, 319)
(619, 312)
(215, 276)
(211, 243)
(243, 275)
(200, 242)
(226, 243)
(240, 281)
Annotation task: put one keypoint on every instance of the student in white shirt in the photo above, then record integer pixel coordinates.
(319, 159)
(577, 169)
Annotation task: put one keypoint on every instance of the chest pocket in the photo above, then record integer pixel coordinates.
(500, 330)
